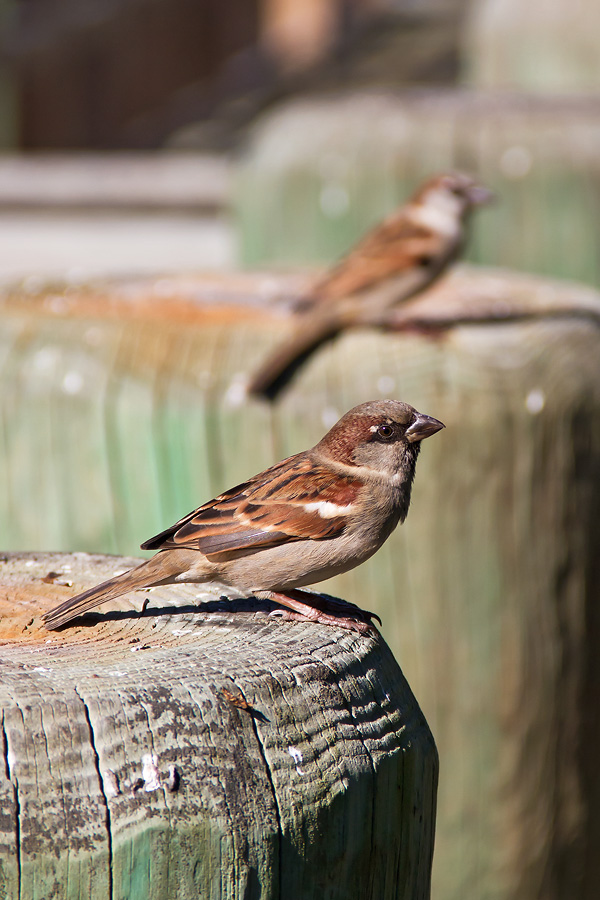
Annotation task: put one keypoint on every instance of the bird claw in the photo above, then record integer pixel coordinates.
(344, 607)
(289, 615)
(324, 610)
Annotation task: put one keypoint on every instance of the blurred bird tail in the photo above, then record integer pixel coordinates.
(311, 331)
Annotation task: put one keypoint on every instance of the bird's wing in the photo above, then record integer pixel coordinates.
(294, 500)
(397, 245)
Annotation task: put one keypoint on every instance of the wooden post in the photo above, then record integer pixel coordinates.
(313, 178)
(198, 747)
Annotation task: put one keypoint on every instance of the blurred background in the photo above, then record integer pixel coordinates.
(287, 131)
(172, 171)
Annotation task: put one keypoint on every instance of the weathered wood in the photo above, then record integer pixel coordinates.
(128, 770)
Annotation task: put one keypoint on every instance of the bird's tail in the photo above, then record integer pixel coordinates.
(311, 331)
(148, 574)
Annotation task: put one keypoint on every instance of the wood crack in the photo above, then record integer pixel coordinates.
(15, 787)
(261, 750)
(102, 793)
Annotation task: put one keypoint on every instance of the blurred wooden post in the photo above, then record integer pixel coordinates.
(185, 753)
(539, 46)
(314, 178)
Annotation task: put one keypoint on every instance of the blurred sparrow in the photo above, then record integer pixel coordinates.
(397, 259)
(312, 516)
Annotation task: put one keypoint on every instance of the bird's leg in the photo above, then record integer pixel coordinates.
(333, 605)
(313, 608)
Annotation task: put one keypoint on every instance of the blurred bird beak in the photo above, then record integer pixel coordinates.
(422, 427)
(480, 195)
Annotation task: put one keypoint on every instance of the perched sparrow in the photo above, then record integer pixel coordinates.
(312, 516)
(394, 261)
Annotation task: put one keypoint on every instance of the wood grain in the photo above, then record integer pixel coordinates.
(202, 748)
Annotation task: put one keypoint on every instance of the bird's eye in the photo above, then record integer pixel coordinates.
(385, 432)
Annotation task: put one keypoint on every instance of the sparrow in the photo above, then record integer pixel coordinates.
(307, 518)
(403, 255)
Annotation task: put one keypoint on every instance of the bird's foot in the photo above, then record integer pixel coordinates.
(309, 607)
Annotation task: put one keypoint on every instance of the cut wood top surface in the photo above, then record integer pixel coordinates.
(150, 642)
(160, 618)
(467, 295)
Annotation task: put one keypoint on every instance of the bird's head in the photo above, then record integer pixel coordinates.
(382, 436)
(453, 193)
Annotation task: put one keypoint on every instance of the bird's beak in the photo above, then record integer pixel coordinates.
(480, 195)
(422, 427)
